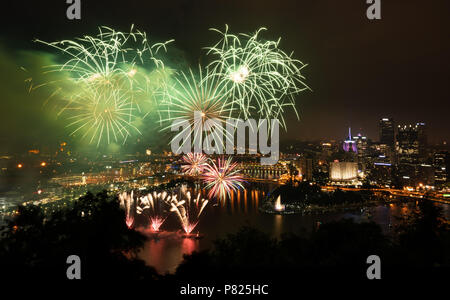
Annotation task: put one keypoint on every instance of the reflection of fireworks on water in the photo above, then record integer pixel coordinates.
(194, 163)
(188, 210)
(154, 206)
(106, 74)
(222, 178)
(127, 203)
(261, 78)
(197, 100)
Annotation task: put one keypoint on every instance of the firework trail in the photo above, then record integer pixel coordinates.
(155, 206)
(127, 203)
(262, 80)
(197, 100)
(101, 115)
(222, 178)
(110, 70)
(110, 57)
(194, 163)
(188, 210)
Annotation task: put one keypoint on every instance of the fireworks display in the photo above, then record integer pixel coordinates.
(106, 83)
(127, 203)
(261, 79)
(158, 205)
(196, 99)
(222, 178)
(188, 209)
(101, 115)
(155, 207)
(194, 163)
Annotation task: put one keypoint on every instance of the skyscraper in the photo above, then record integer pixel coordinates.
(440, 163)
(422, 139)
(387, 134)
(363, 148)
(349, 144)
(407, 144)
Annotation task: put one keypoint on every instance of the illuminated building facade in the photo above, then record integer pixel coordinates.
(407, 145)
(349, 144)
(362, 145)
(257, 171)
(440, 164)
(343, 171)
(382, 173)
(305, 167)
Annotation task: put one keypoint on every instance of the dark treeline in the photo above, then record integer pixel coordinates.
(336, 251)
(35, 245)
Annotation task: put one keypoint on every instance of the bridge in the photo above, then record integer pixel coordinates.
(395, 192)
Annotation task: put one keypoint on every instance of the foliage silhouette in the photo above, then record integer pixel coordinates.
(336, 251)
(35, 245)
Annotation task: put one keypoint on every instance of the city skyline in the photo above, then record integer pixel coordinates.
(217, 147)
(284, 140)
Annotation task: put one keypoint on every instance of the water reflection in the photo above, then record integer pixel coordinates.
(166, 252)
(278, 225)
(224, 217)
(189, 245)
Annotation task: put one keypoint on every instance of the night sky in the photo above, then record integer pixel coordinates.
(359, 70)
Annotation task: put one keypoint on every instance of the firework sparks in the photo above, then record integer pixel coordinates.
(156, 223)
(154, 206)
(194, 163)
(195, 99)
(109, 58)
(126, 202)
(104, 84)
(188, 210)
(261, 78)
(222, 178)
(106, 115)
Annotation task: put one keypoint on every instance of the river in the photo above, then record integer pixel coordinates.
(218, 220)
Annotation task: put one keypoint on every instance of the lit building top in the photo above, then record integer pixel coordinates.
(349, 143)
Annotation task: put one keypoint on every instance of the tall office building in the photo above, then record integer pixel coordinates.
(386, 154)
(440, 164)
(422, 139)
(411, 143)
(306, 168)
(387, 132)
(407, 144)
(363, 150)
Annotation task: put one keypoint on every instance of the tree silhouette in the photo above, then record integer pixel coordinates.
(35, 245)
(424, 237)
